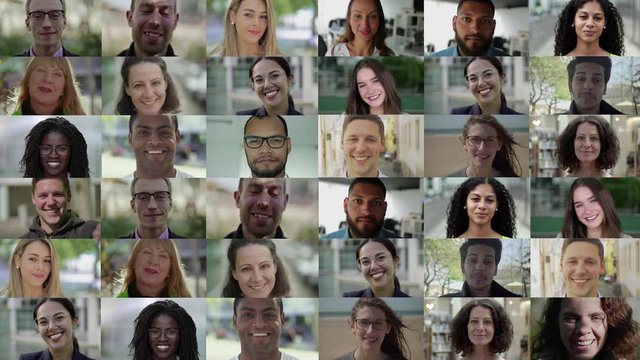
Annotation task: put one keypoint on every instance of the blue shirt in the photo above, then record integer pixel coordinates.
(453, 51)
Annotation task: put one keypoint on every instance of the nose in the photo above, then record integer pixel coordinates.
(473, 26)
(480, 265)
(154, 138)
(154, 17)
(152, 203)
(263, 200)
(582, 327)
(46, 22)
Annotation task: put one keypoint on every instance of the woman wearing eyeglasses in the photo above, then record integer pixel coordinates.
(153, 270)
(377, 260)
(164, 330)
(271, 78)
(489, 147)
(485, 78)
(378, 331)
(55, 148)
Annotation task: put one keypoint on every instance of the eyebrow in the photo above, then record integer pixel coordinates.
(140, 126)
(54, 314)
(585, 73)
(485, 255)
(34, 254)
(477, 194)
(589, 198)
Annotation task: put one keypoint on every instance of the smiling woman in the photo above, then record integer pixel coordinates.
(33, 270)
(372, 90)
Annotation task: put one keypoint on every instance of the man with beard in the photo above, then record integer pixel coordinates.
(365, 208)
(152, 23)
(267, 146)
(473, 27)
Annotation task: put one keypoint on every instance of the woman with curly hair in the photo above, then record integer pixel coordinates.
(481, 330)
(364, 31)
(372, 90)
(481, 208)
(586, 328)
(589, 27)
(372, 318)
(587, 147)
(147, 88)
(489, 148)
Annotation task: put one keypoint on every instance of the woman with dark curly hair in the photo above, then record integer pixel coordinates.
(54, 148)
(481, 208)
(378, 331)
(147, 88)
(489, 148)
(587, 147)
(589, 27)
(372, 90)
(481, 330)
(586, 328)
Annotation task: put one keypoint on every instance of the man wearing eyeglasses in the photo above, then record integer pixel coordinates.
(54, 220)
(46, 21)
(152, 23)
(267, 145)
(151, 202)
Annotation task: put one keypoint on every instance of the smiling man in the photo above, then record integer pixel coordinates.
(54, 220)
(582, 264)
(258, 322)
(151, 202)
(479, 259)
(267, 146)
(46, 22)
(153, 140)
(152, 23)
(362, 144)
(588, 78)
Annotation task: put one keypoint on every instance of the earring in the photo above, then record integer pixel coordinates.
(496, 209)
(232, 23)
(464, 207)
(573, 25)
(604, 27)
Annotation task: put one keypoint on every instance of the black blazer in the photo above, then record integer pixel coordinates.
(45, 355)
(368, 293)
(65, 52)
(172, 235)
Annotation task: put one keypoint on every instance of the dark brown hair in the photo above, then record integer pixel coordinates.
(609, 144)
(502, 333)
(505, 161)
(573, 228)
(125, 104)
(394, 345)
(392, 103)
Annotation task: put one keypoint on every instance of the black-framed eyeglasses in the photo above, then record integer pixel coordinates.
(489, 142)
(61, 150)
(54, 15)
(159, 196)
(363, 324)
(274, 142)
(170, 333)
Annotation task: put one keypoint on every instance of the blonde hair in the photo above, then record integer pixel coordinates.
(70, 100)
(50, 287)
(175, 284)
(229, 45)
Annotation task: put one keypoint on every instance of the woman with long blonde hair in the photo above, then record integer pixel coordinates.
(33, 270)
(48, 87)
(249, 30)
(153, 270)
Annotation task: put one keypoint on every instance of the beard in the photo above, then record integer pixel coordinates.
(268, 173)
(464, 50)
(370, 232)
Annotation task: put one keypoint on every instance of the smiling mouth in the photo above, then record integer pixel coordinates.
(365, 32)
(591, 218)
(584, 342)
(270, 95)
(54, 164)
(56, 336)
(374, 97)
(260, 334)
(485, 91)
(377, 276)
(255, 32)
(361, 158)
(155, 152)
(153, 36)
(151, 271)
(163, 347)
(580, 281)
(44, 89)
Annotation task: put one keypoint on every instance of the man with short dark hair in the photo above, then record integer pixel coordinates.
(152, 23)
(588, 78)
(365, 208)
(479, 259)
(46, 22)
(267, 145)
(55, 220)
(582, 264)
(473, 26)
(362, 144)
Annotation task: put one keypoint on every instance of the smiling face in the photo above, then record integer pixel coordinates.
(587, 207)
(583, 327)
(258, 323)
(46, 33)
(152, 214)
(153, 140)
(485, 82)
(56, 162)
(55, 325)
(255, 271)
(151, 266)
(147, 88)
(46, 85)
(370, 338)
(587, 143)
(261, 202)
(479, 267)
(35, 265)
(587, 87)
(164, 347)
(378, 266)
(473, 27)
(364, 20)
(371, 90)
(365, 209)
(250, 22)
(480, 328)
(362, 145)
(271, 84)
(581, 268)
(589, 22)
(481, 204)
(51, 202)
(482, 156)
(152, 23)
(266, 161)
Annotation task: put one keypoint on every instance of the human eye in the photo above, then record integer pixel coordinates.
(274, 76)
(381, 258)
(156, 83)
(488, 261)
(377, 203)
(475, 198)
(48, 261)
(373, 17)
(357, 201)
(270, 316)
(33, 258)
(365, 262)
(580, 137)
(466, 19)
(142, 132)
(474, 321)
(357, 16)
(166, 10)
(472, 78)
(485, 21)
(43, 323)
(146, 9)
(581, 78)
(59, 318)
(247, 315)
(258, 80)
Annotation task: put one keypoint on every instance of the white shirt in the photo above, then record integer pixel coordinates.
(341, 49)
(283, 356)
(179, 175)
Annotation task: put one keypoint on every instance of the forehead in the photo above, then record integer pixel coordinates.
(46, 64)
(49, 185)
(255, 5)
(480, 311)
(155, 245)
(45, 5)
(164, 321)
(590, 68)
(483, 189)
(367, 191)
(364, 6)
(49, 308)
(258, 304)
(365, 74)
(263, 183)
(252, 253)
(481, 250)
(480, 65)
(475, 8)
(587, 128)
(150, 185)
(370, 312)
(362, 127)
(581, 305)
(269, 125)
(582, 249)
(592, 7)
(265, 66)
(482, 130)
(37, 247)
(54, 137)
(582, 192)
(156, 3)
(144, 71)
(371, 248)
(153, 121)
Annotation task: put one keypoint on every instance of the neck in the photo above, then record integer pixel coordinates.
(592, 110)
(43, 109)
(151, 233)
(585, 49)
(386, 291)
(164, 172)
(49, 229)
(360, 48)
(32, 291)
(368, 354)
(139, 51)
(272, 354)
(588, 170)
(281, 174)
(484, 292)
(280, 109)
(594, 233)
(248, 235)
(376, 110)
(476, 171)
(481, 353)
(65, 353)
(148, 290)
(248, 49)
(480, 231)
(39, 50)
(371, 173)
(491, 108)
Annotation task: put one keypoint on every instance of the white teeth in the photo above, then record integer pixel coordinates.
(375, 97)
(257, 287)
(484, 91)
(591, 218)
(54, 164)
(271, 93)
(154, 152)
(163, 347)
(585, 342)
(152, 34)
(580, 281)
(55, 336)
(377, 276)
(260, 334)
(361, 158)
(261, 216)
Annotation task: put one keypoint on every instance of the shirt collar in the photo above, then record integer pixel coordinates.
(163, 236)
(58, 53)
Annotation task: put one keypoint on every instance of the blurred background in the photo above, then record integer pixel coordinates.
(118, 159)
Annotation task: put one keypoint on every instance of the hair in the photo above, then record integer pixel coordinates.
(388, 244)
(134, 117)
(283, 181)
(603, 61)
(506, 162)
(392, 103)
(496, 64)
(69, 104)
(237, 301)
(486, 2)
(611, 39)
(78, 161)
(495, 244)
(284, 123)
(232, 287)
(595, 242)
(621, 338)
(28, 4)
(369, 181)
(378, 38)
(50, 287)
(64, 181)
(503, 221)
(132, 187)
(573, 228)
(609, 144)
(229, 45)
(67, 304)
(283, 63)
(175, 285)
(502, 333)
(188, 344)
(125, 104)
(375, 118)
(394, 345)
